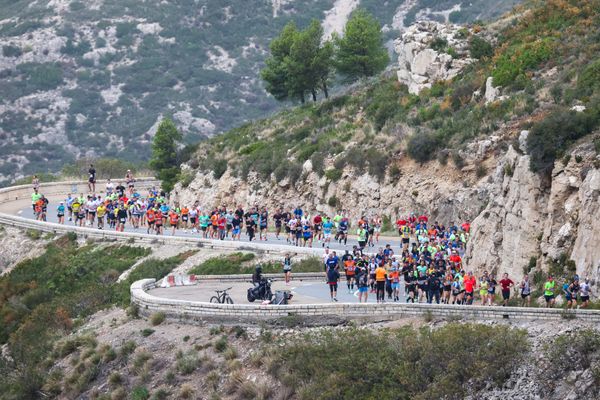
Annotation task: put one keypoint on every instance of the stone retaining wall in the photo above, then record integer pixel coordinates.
(198, 312)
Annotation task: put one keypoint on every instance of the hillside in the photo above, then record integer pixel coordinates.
(519, 156)
(70, 333)
(90, 79)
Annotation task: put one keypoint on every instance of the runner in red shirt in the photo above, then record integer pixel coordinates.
(317, 226)
(400, 223)
(506, 283)
(469, 282)
(221, 222)
(466, 226)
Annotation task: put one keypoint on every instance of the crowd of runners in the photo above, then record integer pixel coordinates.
(428, 266)
(433, 272)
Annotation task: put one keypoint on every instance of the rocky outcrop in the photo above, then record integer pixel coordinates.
(515, 216)
(524, 219)
(429, 52)
(505, 234)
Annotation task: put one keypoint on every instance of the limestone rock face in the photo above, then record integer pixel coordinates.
(514, 215)
(419, 64)
(504, 235)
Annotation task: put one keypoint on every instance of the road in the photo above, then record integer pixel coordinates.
(24, 210)
(305, 292)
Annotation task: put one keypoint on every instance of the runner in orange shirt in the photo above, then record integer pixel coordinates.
(150, 219)
(350, 269)
(173, 220)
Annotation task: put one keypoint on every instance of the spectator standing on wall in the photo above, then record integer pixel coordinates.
(92, 179)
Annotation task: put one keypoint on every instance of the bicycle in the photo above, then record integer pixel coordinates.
(222, 297)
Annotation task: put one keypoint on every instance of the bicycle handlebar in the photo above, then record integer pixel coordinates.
(221, 291)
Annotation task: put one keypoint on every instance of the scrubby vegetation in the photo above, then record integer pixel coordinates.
(449, 362)
(41, 298)
(244, 263)
(376, 122)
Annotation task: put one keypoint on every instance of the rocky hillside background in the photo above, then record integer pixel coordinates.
(509, 142)
(92, 78)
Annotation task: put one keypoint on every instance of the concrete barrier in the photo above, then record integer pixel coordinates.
(311, 314)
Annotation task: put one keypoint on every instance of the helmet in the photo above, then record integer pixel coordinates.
(258, 268)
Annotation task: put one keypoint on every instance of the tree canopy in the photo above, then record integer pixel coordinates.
(300, 63)
(164, 154)
(360, 52)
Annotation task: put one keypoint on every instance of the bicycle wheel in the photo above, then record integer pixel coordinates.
(228, 300)
(214, 299)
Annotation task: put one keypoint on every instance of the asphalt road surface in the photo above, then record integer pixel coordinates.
(27, 212)
(304, 292)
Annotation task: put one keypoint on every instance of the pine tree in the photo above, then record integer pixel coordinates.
(276, 74)
(360, 52)
(164, 154)
(299, 64)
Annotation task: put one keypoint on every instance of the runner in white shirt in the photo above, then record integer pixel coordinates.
(110, 187)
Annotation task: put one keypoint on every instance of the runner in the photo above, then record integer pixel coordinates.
(173, 221)
(394, 276)
(380, 276)
(287, 268)
(100, 212)
(469, 283)
(110, 188)
(525, 292)
(585, 293)
(350, 271)
(506, 283)
(130, 179)
(60, 212)
(573, 289)
(549, 288)
(121, 217)
(333, 275)
(362, 281)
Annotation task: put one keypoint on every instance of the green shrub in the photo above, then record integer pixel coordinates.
(333, 202)
(219, 167)
(139, 393)
(333, 174)
(235, 263)
(147, 332)
(518, 60)
(11, 51)
(417, 363)
(157, 318)
(221, 344)
(550, 138)
(573, 351)
(115, 379)
(188, 363)
(422, 146)
(150, 268)
(45, 76)
(439, 44)
(589, 79)
(480, 48)
(186, 179)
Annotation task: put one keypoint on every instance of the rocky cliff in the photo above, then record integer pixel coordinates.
(429, 51)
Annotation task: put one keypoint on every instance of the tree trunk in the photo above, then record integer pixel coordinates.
(325, 90)
(314, 94)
